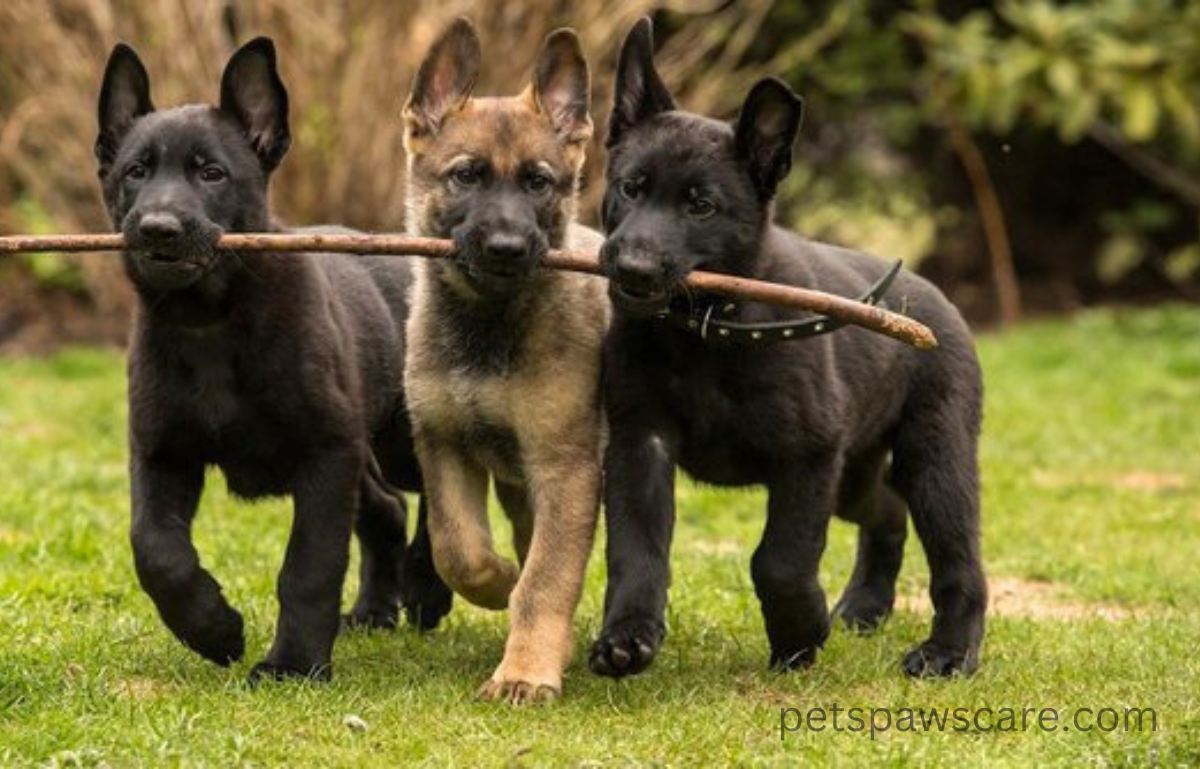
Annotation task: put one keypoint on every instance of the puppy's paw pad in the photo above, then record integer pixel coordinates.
(625, 649)
(519, 692)
(270, 671)
(929, 661)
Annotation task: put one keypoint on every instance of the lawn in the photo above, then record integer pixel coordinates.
(1091, 461)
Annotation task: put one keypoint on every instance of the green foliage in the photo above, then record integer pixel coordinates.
(869, 209)
(1124, 73)
(49, 268)
(1068, 65)
(1090, 494)
(859, 187)
(1128, 238)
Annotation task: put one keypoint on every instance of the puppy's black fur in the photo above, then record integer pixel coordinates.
(851, 423)
(285, 371)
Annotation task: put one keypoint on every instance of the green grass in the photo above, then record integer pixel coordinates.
(1092, 502)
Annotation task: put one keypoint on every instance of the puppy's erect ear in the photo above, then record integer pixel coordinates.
(124, 97)
(562, 88)
(252, 92)
(445, 80)
(640, 93)
(765, 131)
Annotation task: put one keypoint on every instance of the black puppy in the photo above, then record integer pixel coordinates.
(851, 423)
(285, 371)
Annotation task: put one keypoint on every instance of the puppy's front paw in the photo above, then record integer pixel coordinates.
(519, 692)
(626, 648)
(273, 671)
(931, 661)
(523, 679)
(219, 639)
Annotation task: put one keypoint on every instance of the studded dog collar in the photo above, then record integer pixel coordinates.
(705, 321)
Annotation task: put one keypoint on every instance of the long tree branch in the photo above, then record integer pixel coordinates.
(866, 315)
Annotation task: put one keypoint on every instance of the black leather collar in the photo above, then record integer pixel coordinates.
(705, 320)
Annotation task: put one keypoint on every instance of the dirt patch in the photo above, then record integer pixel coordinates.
(717, 547)
(10, 537)
(138, 689)
(1147, 481)
(1153, 482)
(1031, 599)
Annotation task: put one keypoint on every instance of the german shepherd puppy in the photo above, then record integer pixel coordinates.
(850, 423)
(285, 371)
(503, 367)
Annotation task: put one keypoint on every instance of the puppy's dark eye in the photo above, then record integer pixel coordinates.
(701, 208)
(538, 183)
(630, 189)
(137, 172)
(213, 174)
(465, 176)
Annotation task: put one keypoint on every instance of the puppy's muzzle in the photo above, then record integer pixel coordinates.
(169, 252)
(498, 261)
(504, 254)
(639, 283)
(160, 228)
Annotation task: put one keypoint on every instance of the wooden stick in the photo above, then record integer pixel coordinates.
(858, 313)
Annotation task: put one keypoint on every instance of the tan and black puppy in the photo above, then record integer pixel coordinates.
(503, 363)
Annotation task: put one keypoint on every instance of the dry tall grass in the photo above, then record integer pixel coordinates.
(348, 66)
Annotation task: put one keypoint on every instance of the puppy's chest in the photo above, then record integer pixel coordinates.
(462, 339)
(221, 398)
(730, 423)
(699, 392)
(221, 414)
(475, 411)
(212, 398)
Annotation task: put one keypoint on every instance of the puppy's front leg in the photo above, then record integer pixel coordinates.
(785, 565)
(166, 493)
(639, 514)
(326, 497)
(566, 501)
(459, 532)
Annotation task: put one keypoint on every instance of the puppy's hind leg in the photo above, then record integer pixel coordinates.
(935, 469)
(871, 592)
(515, 501)
(458, 526)
(426, 597)
(380, 527)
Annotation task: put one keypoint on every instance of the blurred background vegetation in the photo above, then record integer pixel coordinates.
(1030, 156)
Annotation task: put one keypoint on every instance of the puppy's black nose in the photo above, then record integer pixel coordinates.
(638, 273)
(504, 247)
(160, 226)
